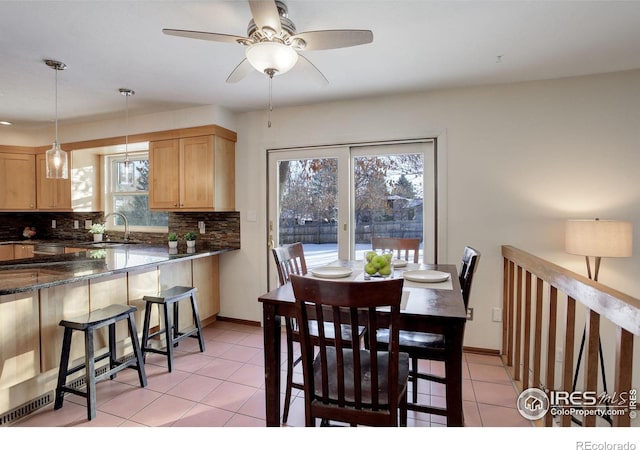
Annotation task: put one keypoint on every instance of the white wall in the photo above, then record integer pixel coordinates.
(521, 158)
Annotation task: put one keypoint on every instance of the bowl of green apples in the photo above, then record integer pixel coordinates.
(378, 265)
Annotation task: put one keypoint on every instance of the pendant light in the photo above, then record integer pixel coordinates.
(127, 176)
(56, 159)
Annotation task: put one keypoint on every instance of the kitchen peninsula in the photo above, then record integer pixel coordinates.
(36, 293)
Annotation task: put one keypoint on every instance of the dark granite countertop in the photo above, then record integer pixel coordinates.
(96, 261)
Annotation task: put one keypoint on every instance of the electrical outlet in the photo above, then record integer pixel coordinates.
(559, 355)
(53, 223)
(496, 314)
(469, 313)
(201, 227)
(87, 224)
(76, 224)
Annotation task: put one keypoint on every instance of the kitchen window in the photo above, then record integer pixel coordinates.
(132, 200)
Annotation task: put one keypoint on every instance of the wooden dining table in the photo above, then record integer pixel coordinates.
(426, 307)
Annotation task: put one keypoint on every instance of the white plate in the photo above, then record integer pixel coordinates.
(426, 276)
(331, 272)
(399, 262)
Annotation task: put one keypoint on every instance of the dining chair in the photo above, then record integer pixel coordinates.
(349, 381)
(400, 247)
(290, 260)
(431, 346)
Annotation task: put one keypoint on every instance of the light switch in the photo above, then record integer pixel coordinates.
(87, 224)
(252, 216)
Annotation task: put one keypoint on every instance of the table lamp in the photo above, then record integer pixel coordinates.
(598, 239)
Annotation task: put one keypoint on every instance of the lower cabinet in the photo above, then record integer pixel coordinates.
(19, 349)
(21, 251)
(31, 337)
(6, 252)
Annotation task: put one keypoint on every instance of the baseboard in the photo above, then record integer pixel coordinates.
(251, 323)
(481, 351)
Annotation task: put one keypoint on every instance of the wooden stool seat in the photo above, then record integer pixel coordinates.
(171, 330)
(88, 323)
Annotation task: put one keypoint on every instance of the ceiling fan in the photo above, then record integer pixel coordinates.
(273, 44)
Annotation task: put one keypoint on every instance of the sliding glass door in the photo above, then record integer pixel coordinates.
(334, 199)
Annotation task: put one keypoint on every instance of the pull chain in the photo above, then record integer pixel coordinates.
(270, 99)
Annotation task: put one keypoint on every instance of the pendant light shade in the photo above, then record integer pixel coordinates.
(127, 176)
(56, 159)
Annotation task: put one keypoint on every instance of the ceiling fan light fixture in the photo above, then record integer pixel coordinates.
(271, 57)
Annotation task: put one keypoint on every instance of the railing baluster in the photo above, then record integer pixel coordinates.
(505, 308)
(624, 369)
(527, 332)
(591, 366)
(510, 308)
(567, 368)
(537, 345)
(518, 330)
(550, 381)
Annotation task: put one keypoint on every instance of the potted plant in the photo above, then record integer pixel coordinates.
(190, 237)
(173, 239)
(97, 229)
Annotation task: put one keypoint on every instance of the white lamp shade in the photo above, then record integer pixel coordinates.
(57, 162)
(604, 238)
(271, 55)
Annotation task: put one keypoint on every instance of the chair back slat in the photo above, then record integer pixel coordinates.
(349, 378)
(400, 247)
(289, 260)
(468, 266)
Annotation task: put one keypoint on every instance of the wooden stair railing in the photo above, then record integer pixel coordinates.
(533, 291)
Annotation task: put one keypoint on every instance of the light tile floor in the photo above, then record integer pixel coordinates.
(224, 387)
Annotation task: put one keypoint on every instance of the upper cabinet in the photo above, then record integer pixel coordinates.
(17, 181)
(192, 174)
(51, 194)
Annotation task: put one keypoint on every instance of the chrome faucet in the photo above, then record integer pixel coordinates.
(124, 218)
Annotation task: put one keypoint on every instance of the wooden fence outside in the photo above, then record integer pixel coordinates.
(326, 233)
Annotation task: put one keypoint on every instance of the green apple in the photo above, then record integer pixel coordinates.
(388, 256)
(370, 255)
(379, 261)
(385, 271)
(370, 269)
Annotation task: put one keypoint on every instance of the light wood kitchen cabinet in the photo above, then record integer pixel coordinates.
(19, 347)
(17, 181)
(192, 174)
(51, 194)
(6, 252)
(21, 251)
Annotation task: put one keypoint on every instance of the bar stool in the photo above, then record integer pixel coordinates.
(171, 330)
(88, 323)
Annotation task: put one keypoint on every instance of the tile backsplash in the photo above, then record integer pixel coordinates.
(221, 228)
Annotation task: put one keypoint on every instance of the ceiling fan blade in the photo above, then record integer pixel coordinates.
(328, 39)
(265, 14)
(228, 38)
(311, 71)
(242, 70)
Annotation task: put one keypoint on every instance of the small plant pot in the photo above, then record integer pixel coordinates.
(173, 244)
(97, 238)
(191, 244)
